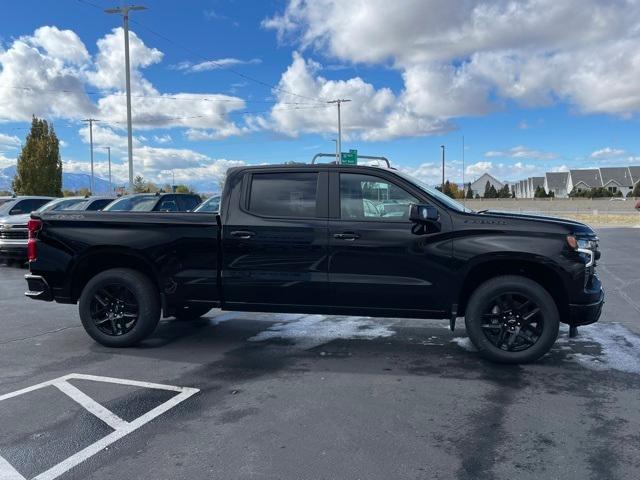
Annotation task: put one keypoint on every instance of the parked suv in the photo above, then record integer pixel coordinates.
(155, 202)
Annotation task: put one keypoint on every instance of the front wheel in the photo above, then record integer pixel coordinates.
(119, 307)
(512, 319)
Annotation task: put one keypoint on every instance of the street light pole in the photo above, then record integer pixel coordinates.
(337, 150)
(109, 157)
(442, 146)
(338, 102)
(90, 122)
(124, 11)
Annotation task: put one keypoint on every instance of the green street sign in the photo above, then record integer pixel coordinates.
(349, 158)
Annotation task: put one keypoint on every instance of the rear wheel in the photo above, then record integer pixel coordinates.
(512, 319)
(187, 313)
(119, 307)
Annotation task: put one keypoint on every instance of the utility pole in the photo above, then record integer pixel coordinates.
(464, 194)
(90, 122)
(339, 152)
(442, 146)
(109, 157)
(124, 11)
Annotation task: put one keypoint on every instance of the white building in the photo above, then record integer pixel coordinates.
(556, 182)
(480, 184)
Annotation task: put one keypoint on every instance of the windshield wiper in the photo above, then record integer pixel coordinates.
(482, 211)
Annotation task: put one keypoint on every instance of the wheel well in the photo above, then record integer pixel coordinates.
(539, 273)
(92, 265)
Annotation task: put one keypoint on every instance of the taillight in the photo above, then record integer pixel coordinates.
(34, 226)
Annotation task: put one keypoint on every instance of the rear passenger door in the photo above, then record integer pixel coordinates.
(275, 240)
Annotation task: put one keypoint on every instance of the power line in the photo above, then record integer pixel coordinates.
(192, 52)
(161, 97)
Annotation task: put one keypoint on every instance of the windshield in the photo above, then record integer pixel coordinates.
(212, 205)
(5, 206)
(437, 194)
(60, 204)
(138, 203)
(4, 200)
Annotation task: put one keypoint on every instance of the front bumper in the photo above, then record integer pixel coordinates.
(14, 249)
(585, 314)
(38, 288)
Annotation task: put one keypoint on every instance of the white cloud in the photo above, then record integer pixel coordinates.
(218, 64)
(47, 73)
(31, 77)
(162, 139)
(503, 171)
(64, 45)
(608, 152)
(521, 152)
(9, 140)
(465, 59)
(373, 114)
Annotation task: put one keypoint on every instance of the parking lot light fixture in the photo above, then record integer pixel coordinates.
(124, 11)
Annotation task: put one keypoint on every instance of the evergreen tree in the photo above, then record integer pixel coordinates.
(469, 191)
(139, 184)
(39, 170)
(493, 193)
(487, 190)
(636, 190)
(504, 192)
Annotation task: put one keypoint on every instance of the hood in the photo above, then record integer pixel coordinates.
(570, 225)
(15, 219)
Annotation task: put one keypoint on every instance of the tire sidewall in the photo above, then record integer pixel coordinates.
(148, 306)
(520, 285)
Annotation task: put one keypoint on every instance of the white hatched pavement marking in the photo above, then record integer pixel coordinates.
(121, 428)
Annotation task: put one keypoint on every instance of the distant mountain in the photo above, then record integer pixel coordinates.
(70, 181)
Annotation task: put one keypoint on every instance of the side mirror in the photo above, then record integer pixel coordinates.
(423, 214)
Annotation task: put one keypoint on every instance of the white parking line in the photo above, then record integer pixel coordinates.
(121, 427)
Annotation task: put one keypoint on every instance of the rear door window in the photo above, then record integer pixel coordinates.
(28, 206)
(284, 194)
(188, 202)
(167, 204)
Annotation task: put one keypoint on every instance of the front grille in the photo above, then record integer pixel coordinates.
(14, 234)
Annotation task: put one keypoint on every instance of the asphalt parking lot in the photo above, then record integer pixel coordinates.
(239, 396)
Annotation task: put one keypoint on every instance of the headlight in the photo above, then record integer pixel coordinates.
(586, 246)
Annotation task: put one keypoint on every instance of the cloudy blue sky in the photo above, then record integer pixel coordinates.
(532, 86)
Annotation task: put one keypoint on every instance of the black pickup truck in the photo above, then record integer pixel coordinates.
(348, 240)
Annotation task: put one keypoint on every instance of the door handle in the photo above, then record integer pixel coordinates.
(242, 234)
(350, 236)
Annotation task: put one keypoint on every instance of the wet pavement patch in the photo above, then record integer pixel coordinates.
(49, 428)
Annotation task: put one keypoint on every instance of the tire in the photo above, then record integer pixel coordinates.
(512, 319)
(119, 307)
(187, 313)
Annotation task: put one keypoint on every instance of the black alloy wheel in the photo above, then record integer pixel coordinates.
(512, 319)
(512, 322)
(114, 310)
(119, 307)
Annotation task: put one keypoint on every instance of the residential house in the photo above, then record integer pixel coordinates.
(617, 179)
(584, 179)
(556, 182)
(635, 175)
(479, 185)
(532, 184)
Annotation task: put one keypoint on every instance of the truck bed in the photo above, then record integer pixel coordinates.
(179, 250)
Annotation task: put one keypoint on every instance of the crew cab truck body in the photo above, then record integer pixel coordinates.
(327, 239)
